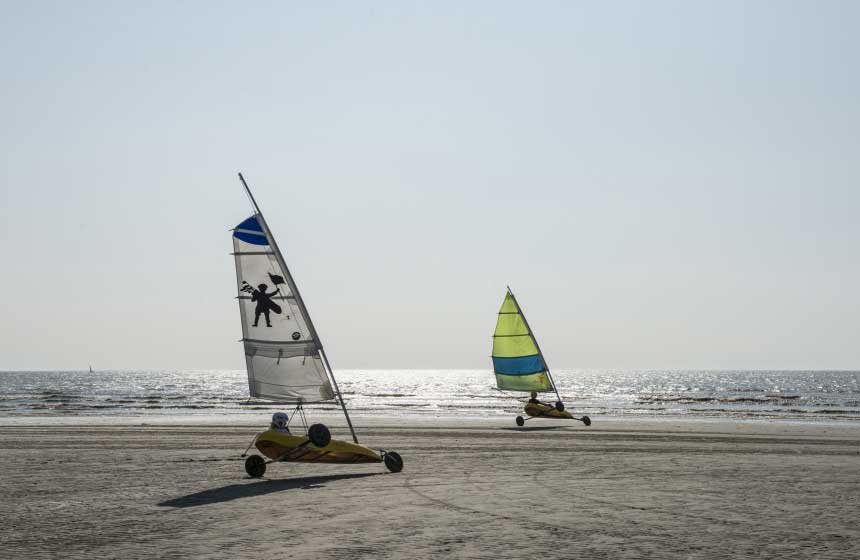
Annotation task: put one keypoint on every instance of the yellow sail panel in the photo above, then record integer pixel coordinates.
(513, 346)
(533, 382)
(510, 324)
(509, 305)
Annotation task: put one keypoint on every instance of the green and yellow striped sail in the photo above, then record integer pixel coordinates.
(516, 361)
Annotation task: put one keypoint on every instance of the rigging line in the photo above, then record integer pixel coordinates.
(253, 441)
(292, 414)
(304, 418)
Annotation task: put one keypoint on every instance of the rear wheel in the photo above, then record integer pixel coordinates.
(393, 461)
(559, 406)
(319, 435)
(520, 421)
(255, 466)
(586, 420)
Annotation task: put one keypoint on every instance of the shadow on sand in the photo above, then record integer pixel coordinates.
(236, 491)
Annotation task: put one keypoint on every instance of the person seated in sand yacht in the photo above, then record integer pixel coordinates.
(280, 421)
(534, 399)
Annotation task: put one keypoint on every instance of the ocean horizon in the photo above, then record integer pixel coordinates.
(183, 395)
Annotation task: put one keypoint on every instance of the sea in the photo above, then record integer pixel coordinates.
(221, 396)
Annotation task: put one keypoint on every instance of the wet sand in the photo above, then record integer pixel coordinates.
(470, 489)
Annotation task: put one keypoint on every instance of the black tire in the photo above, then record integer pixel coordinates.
(319, 435)
(520, 421)
(586, 420)
(559, 406)
(255, 466)
(393, 461)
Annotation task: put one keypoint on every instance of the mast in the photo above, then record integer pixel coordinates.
(534, 338)
(301, 304)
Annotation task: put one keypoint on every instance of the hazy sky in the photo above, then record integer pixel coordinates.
(663, 184)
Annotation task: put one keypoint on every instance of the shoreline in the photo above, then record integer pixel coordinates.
(336, 421)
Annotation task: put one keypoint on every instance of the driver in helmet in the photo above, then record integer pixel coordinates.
(534, 399)
(280, 421)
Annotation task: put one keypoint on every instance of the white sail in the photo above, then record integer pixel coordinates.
(282, 350)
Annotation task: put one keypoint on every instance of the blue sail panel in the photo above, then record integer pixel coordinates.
(523, 365)
(247, 232)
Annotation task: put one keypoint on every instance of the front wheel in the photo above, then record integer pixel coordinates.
(520, 421)
(255, 466)
(559, 406)
(586, 420)
(393, 461)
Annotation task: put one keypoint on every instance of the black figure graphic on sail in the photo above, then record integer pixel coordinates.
(265, 305)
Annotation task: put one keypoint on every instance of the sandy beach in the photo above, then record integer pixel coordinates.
(472, 489)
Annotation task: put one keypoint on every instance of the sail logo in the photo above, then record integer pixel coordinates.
(265, 305)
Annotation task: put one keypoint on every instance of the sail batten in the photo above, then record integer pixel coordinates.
(517, 361)
(278, 297)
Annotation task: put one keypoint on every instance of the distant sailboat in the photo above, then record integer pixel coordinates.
(91, 368)
(519, 364)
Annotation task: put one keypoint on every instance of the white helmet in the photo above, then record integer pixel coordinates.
(280, 420)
